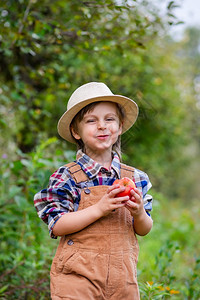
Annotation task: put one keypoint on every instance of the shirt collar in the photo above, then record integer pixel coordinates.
(92, 168)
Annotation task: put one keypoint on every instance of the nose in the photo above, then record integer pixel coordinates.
(101, 124)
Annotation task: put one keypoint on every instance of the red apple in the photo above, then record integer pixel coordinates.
(128, 184)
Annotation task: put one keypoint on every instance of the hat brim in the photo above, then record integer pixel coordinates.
(129, 106)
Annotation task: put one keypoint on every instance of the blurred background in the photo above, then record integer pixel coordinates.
(146, 50)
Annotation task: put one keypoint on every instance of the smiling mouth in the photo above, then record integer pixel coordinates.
(103, 137)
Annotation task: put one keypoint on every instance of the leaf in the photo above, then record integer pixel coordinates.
(14, 190)
(3, 289)
(27, 163)
(170, 4)
(21, 201)
(17, 166)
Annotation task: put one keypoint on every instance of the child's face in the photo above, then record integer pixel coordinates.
(99, 129)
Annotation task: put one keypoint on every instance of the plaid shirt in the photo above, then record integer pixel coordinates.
(63, 194)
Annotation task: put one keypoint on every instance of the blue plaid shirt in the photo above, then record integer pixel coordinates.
(63, 194)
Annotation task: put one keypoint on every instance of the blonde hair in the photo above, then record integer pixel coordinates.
(79, 117)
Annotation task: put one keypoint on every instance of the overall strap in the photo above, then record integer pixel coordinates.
(127, 171)
(76, 172)
(79, 175)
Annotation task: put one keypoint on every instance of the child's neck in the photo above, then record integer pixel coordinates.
(104, 159)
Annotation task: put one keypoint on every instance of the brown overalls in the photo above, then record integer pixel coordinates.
(98, 262)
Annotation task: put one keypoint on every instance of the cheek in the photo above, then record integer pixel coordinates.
(116, 133)
(117, 129)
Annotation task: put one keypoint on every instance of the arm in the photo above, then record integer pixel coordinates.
(142, 222)
(74, 221)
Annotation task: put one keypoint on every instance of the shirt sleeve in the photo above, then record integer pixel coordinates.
(143, 184)
(58, 198)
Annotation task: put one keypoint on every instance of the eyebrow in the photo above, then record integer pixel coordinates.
(88, 115)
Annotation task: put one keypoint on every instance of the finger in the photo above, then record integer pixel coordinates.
(133, 199)
(129, 207)
(112, 187)
(121, 199)
(118, 205)
(136, 192)
(117, 190)
(136, 199)
(131, 204)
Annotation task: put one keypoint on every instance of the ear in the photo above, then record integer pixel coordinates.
(75, 134)
(120, 128)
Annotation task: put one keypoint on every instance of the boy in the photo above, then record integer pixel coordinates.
(98, 251)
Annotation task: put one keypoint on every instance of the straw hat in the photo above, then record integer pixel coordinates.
(93, 92)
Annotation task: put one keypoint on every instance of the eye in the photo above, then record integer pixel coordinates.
(90, 121)
(109, 119)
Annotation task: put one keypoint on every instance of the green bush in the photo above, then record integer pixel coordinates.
(169, 263)
(26, 249)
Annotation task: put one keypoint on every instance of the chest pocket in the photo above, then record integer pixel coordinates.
(92, 195)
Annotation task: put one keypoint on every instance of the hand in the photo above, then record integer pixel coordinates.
(110, 202)
(135, 203)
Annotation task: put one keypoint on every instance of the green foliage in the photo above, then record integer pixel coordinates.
(46, 51)
(193, 281)
(150, 290)
(169, 265)
(24, 252)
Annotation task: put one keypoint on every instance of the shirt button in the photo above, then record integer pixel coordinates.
(70, 242)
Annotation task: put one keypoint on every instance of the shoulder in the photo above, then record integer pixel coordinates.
(126, 167)
(61, 174)
(140, 174)
(70, 173)
(140, 177)
(137, 173)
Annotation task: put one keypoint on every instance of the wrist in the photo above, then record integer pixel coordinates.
(97, 211)
(140, 215)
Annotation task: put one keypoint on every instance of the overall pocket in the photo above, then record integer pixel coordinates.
(66, 260)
